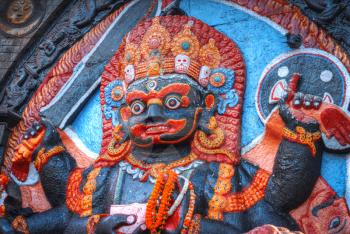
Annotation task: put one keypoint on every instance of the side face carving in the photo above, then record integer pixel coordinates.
(19, 11)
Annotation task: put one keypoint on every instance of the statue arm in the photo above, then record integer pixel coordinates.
(42, 148)
(297, 164)
(54, 177)
(54, 220)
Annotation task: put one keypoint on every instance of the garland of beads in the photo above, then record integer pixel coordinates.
(163, 188)
(195, 224)
(188, 218)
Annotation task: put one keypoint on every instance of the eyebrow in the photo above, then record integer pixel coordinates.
(323, 205)
(179, 88)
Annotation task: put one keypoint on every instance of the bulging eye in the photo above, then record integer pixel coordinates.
(137, 107)
(172, 102)
(335, 222)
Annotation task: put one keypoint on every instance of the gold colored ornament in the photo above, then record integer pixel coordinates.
(131, 54)
(211, 144)
(43, 157)
(209, 55)
(157, 38)
(303, 137)
(186, 43)
(154, 66)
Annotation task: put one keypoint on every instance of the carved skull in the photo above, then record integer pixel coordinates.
(204, 76)
(129, 73)
(182, 63)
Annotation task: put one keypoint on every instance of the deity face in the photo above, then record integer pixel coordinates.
(19, 11)
(163, 110)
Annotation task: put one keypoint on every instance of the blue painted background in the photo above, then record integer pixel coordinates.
(88, 124)
(259, 43)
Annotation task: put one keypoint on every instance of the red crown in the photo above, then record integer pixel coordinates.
(158, 53)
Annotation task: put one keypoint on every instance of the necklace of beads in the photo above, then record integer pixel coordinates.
(155, 169)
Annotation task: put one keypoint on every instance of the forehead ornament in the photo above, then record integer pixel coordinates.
(151, 85)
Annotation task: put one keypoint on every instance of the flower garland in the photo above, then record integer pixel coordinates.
(159, 201)
(188, 217)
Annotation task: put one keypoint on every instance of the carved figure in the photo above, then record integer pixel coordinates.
(19, 11)
(171, 158)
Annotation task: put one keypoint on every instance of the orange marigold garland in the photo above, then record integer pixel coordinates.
(224, 200)
(159, 201)
(195, 224)
(188, 218)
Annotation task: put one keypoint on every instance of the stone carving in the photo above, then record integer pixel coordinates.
(332, 15)
(70, 27)
(20, 17)
(172, 156)
(19, 11)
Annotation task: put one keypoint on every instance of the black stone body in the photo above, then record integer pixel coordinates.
(294, 175)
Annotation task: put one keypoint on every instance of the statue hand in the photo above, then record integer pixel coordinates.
(39, 135)
(295, 107)
(109, 224)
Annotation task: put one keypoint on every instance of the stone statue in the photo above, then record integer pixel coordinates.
(170, 162)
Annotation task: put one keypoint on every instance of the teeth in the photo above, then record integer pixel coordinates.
(157, 128)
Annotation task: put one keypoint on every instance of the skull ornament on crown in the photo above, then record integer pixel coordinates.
(182, 63)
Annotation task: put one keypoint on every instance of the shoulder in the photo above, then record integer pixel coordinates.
(83, 185)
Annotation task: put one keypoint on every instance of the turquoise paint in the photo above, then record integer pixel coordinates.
(88, 124)
(248, 32)
(333, 169)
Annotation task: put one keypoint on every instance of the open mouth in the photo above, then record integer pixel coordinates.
(171, 126)
(157, 129)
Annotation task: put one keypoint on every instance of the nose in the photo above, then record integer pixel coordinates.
(154, 114)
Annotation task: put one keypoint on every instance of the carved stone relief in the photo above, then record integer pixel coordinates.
(20, 17)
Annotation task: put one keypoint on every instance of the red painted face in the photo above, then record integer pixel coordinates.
(165, 112)
(323, 212)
